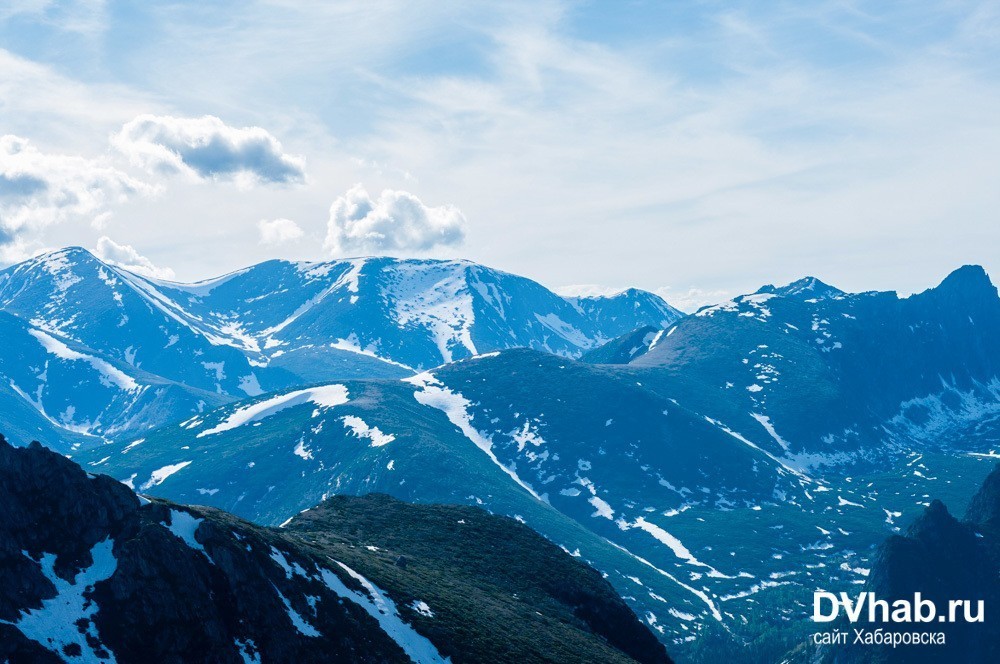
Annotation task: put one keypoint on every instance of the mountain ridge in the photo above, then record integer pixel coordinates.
(105, 575)
(276, 325)
(776, 414)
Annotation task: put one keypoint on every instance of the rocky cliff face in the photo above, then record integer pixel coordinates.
(942, 559)
(95, 573)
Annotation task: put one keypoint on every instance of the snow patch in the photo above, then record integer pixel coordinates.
(765, 422)
(421, 607)
(158, 476)
(110, 375)
(298, 621)
(378, 605)
(326, 396)
(601, 508)
(361, 429)
(183, 525)
(55, 624)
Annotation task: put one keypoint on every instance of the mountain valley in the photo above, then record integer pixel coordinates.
(716, 467)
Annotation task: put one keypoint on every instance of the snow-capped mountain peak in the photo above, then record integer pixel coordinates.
(279, 323)
(805, 288)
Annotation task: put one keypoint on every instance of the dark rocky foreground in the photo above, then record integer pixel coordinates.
(93, 572)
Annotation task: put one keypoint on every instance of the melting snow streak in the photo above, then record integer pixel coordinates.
(435, 395)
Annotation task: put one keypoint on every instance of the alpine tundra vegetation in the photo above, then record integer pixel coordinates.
(95, 573)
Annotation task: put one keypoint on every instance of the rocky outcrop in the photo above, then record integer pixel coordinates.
(94, 573)
(459, 558)
(942, 559)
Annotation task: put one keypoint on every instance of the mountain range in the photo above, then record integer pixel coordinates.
(742, 412)
(127, 353)
(810, 421)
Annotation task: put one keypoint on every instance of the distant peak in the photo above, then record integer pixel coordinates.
(968, 277)
(70, 252)
(56, 259)
(632, 293)
(804, 288)
(623, 294)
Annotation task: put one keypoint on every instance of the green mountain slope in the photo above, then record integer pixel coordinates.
(99, 574)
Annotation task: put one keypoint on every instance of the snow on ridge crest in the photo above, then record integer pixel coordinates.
(324, 396)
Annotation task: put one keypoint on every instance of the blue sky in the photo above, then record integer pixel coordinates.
(695, 148)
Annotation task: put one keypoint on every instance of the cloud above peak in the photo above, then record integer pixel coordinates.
(126, 256)
(206, 148)
(587, 290)
(394, 221)
(278, 231)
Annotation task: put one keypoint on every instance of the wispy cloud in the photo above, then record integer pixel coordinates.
(62, 112)
(86, 17)
(783, 156)
(701, 145)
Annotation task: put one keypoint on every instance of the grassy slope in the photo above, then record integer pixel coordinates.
(499, 591)
(429, 454)
(431, 462)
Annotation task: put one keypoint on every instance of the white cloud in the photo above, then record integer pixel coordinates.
(395, 221)
(278, 231)
(127, 257)
(691, 299)
(39, 189)
(587, 290)
(207, 148)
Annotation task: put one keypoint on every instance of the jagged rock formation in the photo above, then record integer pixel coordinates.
(942, 559)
